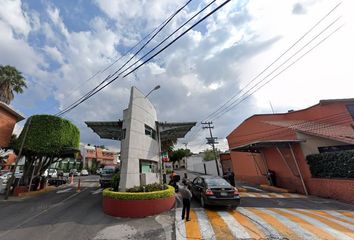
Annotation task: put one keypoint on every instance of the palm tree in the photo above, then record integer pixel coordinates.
(11, 80)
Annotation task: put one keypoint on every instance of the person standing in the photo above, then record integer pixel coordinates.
(230, 176)
(186, 198)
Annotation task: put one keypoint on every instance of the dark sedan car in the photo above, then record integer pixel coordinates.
(215, 191)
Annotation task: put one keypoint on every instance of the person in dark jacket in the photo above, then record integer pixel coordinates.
(186, 198)
(230, 177)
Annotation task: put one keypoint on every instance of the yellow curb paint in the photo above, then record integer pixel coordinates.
(332, 224)
(284, 230)
(192, 227)
(331, 216)
(221, 229)
(251, 228)
(304, 224)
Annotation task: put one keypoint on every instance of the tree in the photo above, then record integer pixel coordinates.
(49, 139)
(180, 153)
(209, 154)
(11, 80)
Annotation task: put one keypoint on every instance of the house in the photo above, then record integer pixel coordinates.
(8, 118)
(96, 156)
(279, 143)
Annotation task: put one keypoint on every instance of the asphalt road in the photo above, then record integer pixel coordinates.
(66, 214)
(266, 215)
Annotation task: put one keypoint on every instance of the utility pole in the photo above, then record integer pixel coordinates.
(212, 142)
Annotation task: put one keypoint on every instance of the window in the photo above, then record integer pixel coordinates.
(150, 132)
(147, 166)
(351, 110)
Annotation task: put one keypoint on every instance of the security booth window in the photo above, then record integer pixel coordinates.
(147, 166)
(149, 131)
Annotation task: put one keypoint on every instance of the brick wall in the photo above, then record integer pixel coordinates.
(7, 124)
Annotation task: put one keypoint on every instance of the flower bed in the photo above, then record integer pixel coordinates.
(138, 204)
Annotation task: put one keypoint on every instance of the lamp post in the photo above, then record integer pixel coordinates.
(155, 88)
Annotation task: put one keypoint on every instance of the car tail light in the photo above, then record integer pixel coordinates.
(236, 191)
(208, 192)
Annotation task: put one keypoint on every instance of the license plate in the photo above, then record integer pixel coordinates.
(223, 194)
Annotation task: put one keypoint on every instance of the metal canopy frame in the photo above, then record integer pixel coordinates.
(168, 131)
(107, 130)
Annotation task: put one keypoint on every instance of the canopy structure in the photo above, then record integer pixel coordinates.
(256, 146)
(168, 131)
(107, 130)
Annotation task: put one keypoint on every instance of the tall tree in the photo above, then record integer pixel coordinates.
(179, 154)
(209, 154)
(11, 80)
(49, 139)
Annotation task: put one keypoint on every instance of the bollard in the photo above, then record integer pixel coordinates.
(78, 186)
(72, 180)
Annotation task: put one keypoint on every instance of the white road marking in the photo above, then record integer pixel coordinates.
(265, 196)
(347, 225)
(238, 231)
(338, 215)
(64, 190)
(249, 195)
(180, 226)
(97, 191)
(301, 232)
(205, 227)
(253, 188)
(267, 229)
(325, 227)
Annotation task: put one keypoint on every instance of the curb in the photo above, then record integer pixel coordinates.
(274, 189)
(241, 189)
(35, 193)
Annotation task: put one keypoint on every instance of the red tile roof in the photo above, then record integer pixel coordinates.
(342, 133)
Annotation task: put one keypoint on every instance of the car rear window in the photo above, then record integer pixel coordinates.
(211, 182)
(108, 170)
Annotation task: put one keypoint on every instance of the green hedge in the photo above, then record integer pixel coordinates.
(169, 192)
(49, 136)
(332, 164)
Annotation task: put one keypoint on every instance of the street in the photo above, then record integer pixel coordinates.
(265, 215)
(66, 214)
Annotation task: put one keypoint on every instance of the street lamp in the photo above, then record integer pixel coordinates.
(155, 88)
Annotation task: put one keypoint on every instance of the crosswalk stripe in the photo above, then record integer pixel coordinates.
(314, 220)
(338, 219)
(304, 224)
(205, 227)
(221, 229)
(269, 230)
(179, 225)
(252, 229)
(243, 194)
(348, 214)
(238, 231)
(340, 216)
(295, 227)
(331, 222)
(275, 195)
(97, 191)
(64, 190)
(192, 226)
(264, 196)
(280, 227)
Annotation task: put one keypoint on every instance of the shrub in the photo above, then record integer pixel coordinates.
(148, 188)
(332, 164)
(169, 192)
(115, 181)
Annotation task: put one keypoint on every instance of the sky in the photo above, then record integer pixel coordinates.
(59, 45)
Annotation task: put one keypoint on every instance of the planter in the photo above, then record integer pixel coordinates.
(127, 204)
(20, 189)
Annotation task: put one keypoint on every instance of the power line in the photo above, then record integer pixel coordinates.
(238, 101)
(159, 29)
(169, 44)
(279, 57)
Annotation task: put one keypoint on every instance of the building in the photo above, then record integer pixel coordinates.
(279, 143)
(94, 157)
(196, 163)
(141, 137)
(8, 118)
(225, 161)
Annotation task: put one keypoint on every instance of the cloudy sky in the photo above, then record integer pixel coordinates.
(59, 45)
